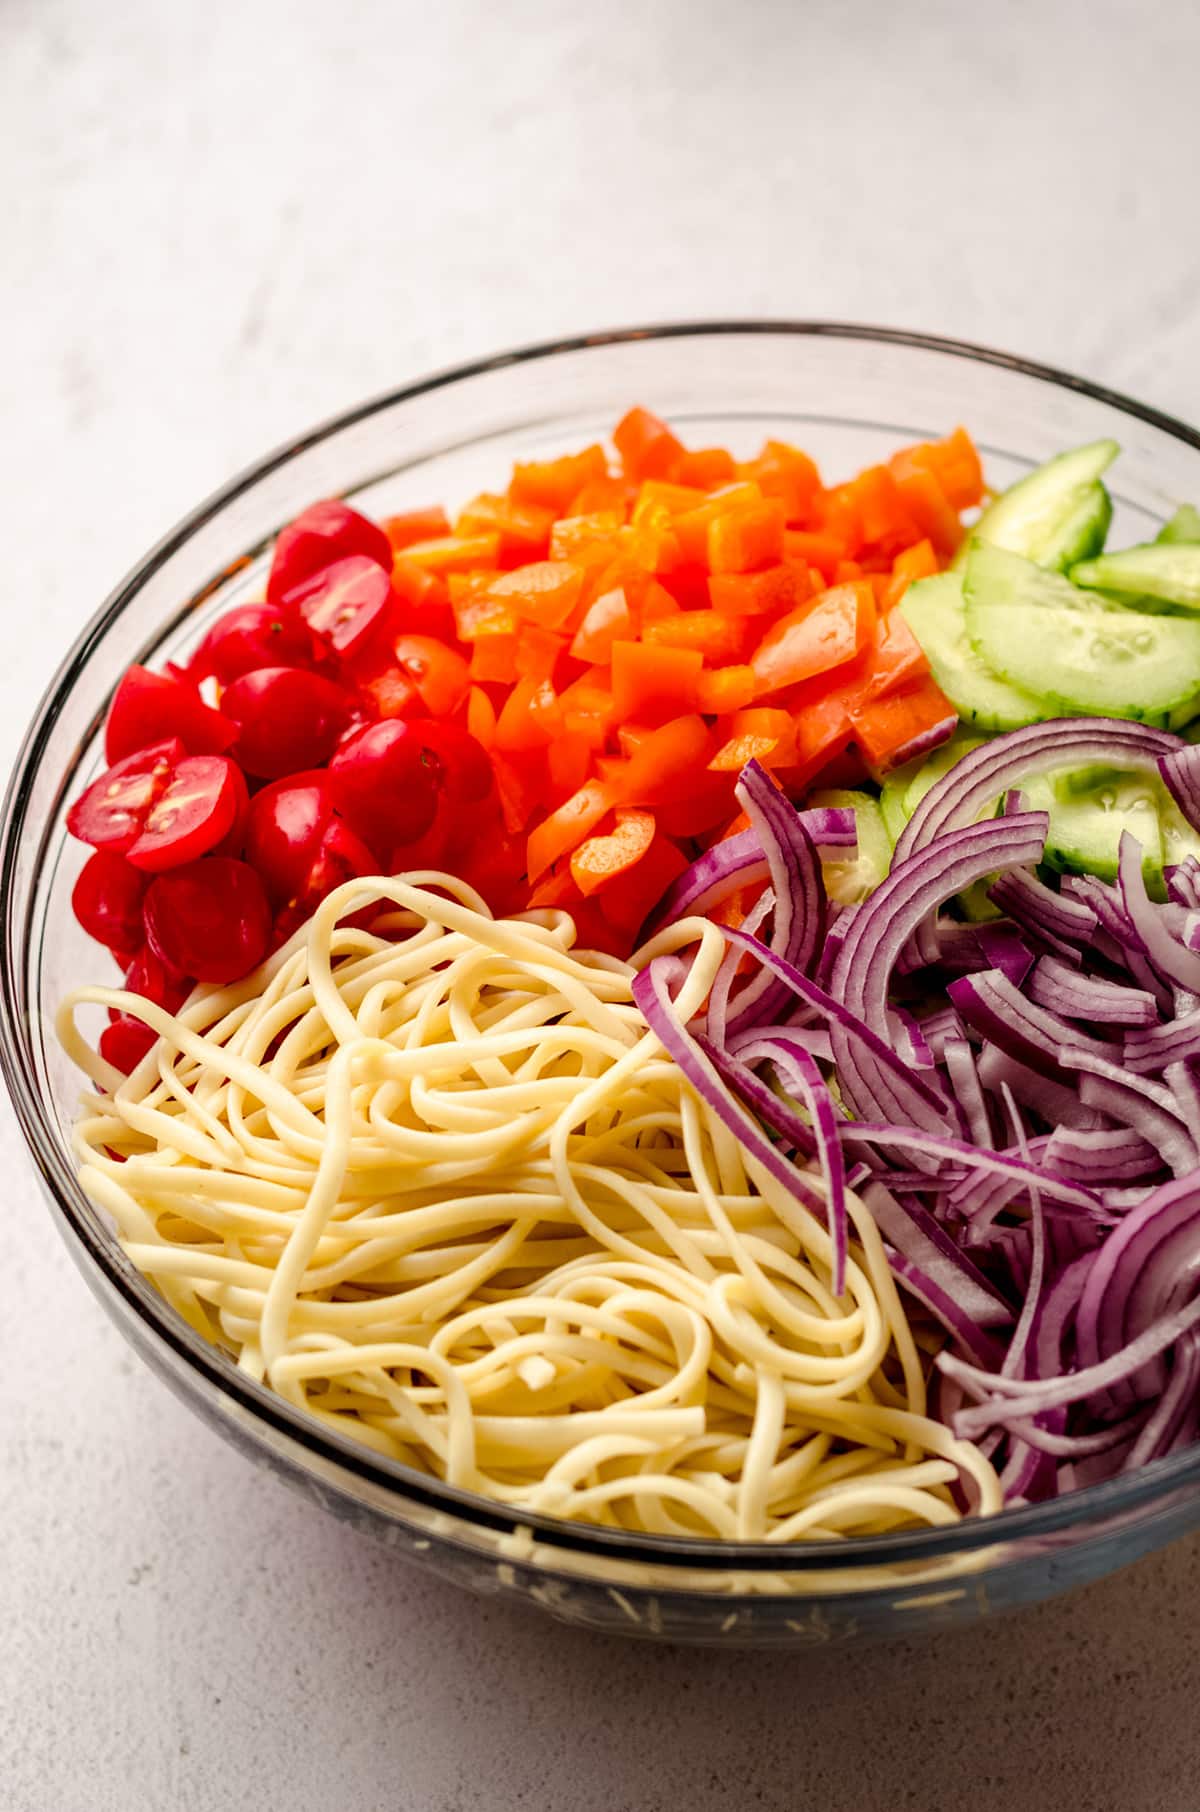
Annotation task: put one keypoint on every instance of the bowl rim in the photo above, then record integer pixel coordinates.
(1111, 1498)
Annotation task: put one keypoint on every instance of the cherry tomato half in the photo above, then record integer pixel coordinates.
(210, 918)
(201, 804)
(125, 1042)
(287, 719)
(340, 856)
(346, 604)
(440, 674)
(111, 813)
(287, 830)
(252, 635)
(321, 534)
(157, 980)
(148, 706)
(383, 785)
(107, 901)
(461, 770)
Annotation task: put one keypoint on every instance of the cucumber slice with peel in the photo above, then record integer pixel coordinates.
(1163, 574)
(1077, 652)
(1184, 526)
(935, 611)
(1056, 515)
(850, 880)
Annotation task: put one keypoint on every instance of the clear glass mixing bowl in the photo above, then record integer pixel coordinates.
(849, 395)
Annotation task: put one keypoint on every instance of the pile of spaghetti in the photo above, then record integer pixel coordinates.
(437, 1183)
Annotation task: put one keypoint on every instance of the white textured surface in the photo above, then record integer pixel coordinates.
(222, 223)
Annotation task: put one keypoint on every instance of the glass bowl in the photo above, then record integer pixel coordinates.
(849, 395)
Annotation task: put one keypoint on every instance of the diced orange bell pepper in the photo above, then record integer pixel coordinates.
(543, 592)
(552, 483)
(422, 601)
(726, 689)
(628, 898)
(772, 592)
(556, 889)
(569, 759)
(521, 785)
(926, 501)
(481, 717)
(822, 731)
(762, 733)
(440, 674)
(565, 829)
(607, 620)
(691, 528)
(838, 515)
(602, 858)
(896, 656)
(538, 652)
(416, 525)
(523, 528)
(494, 660)
(650, 684)
(657, 501)
(954, 462)
(478, 613)
(816, 547)
(719, 638)
(705, 468)
(745, 540)
(529, 718)
(891, 730)
(664, 763)
(912, 563)
(784, 472)
(881, 511)
(610, 495)
(647, 447)
(818, 637)
(586, 539)
(455, 553)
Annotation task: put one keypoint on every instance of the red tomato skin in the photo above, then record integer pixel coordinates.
(202, 805)
(340, 856)
(463, 773)
(440, 674)
(147, 707)
(156, 980)
(210, 917)
(321, 534)
(383, 785)
(125, 1042)
(251, 636)
(107, 902)
(110, 813)
(287, 719)
(345, 605)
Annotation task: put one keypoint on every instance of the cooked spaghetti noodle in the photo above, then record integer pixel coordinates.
(438, 1186)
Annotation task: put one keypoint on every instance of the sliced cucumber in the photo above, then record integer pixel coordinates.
(935, 767)
(891, 798)
(1183, 526)
(1056, 515)
(1162, 573)
(850, 881)
(1090, 807)
(935, 611)
(1074, 651)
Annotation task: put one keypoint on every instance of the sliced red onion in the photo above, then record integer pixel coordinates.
(939, 1302)
(957, 1151)
(740, 860)
(967, 1091)
(1105, 1155)
(1002, 1014)
(1169, 957)
(1053, 1101)
(815, 1096)
(1180, 771)
(1148, 1051)
(1058, 987)
(1138, 1102)
(760, 1096)
(938, 1027)
(1183, 881)
(1004, 949)
(1038, 909)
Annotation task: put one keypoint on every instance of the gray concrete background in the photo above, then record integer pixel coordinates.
(223, 223)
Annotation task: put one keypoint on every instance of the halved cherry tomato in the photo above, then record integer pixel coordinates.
(345, 604)
(383, 784)
(210, 918)
(321, 534)
(156, 979)
(458, 763)
(284, 827)
(148, 706)
(440, 674)
(340, 856)
(107, 901)
(201, 804)
(111, 813)
(252, 635)
(287, 719)
(125, 1042)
